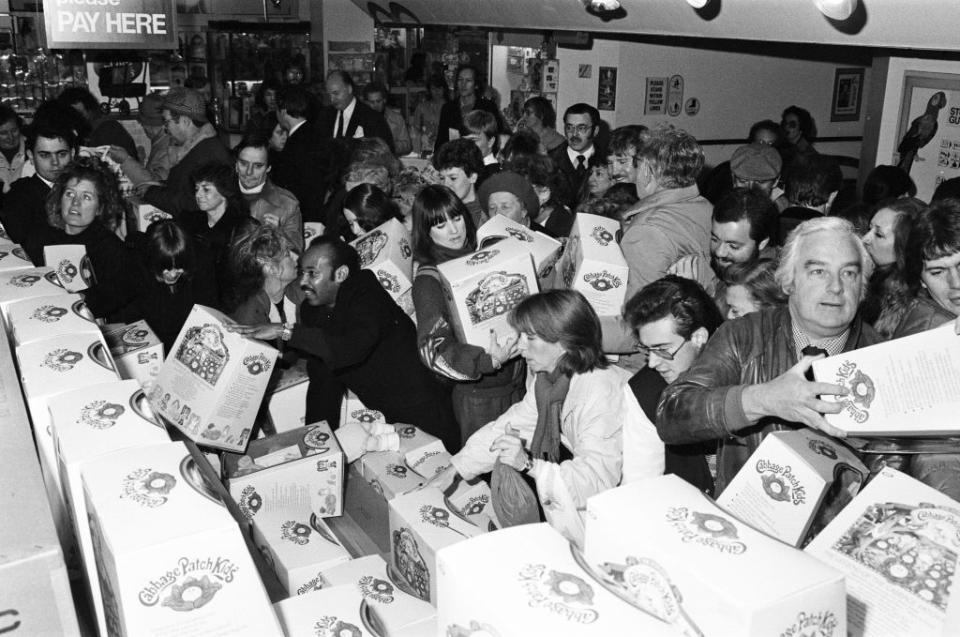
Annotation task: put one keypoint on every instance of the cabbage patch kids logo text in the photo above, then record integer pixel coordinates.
(333, 626)
(23, 280)
(822, 624)
(602, 236)
(388, 281)
(861, 390)
(602, 281)
(317, 438)
(256, 364)
(376, 589)
(565, 594)
(250, 501)
(101, 414)
(147, 487)
(49, 313)
(190, 584)
(67, 271)
(62, 360)
(707, 529)
(780, 483)
(482, 256)
(366, 416)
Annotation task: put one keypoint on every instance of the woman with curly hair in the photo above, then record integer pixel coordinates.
(84, 207)
(751, 287)
(263, 264)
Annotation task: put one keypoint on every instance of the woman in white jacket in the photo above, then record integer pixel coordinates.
(567, 434)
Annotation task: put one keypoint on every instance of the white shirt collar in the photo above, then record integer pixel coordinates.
(587, 154)
(253, 191)
(294, 128)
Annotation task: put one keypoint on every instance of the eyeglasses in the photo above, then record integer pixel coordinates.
(660, 353)
(583, 129)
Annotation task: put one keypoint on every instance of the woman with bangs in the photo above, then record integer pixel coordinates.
(487, 381)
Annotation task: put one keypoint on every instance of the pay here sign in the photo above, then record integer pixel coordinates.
(110, 24)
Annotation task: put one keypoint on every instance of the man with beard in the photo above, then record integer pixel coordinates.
(581, 124)
(355, 337)
(744, 221)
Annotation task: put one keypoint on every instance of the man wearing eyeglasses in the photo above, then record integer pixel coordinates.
(673, 317)
(581, 124)
(752, 377)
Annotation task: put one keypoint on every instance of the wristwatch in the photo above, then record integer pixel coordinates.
(527, 464)
(287, 332)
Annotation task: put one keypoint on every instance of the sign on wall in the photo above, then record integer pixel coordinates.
(110, 24)
(656, 100)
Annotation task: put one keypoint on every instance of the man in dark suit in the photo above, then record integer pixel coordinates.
(581, 124)
(304, 165)
(51, 148)
(348, 117)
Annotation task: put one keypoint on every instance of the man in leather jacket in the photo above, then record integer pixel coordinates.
(752, 376)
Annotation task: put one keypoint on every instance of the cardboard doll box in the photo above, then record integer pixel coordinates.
(481, 289)
(45, 317)
(593, 263)
(694, 565)
(136, 349)
(212, 382)
(793, 484)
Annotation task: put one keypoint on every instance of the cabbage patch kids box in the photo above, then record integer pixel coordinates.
(171, 560)
(421, 523)
(526, 580)
(662, 545)
(71, 265)
(331, 612)
(212, 382)
(287, 473)
(88, 423)
(386, 252)
(136, 350)
(12, 257)
(481, 289)
(593, 263)
(287, 402)
(17, 285)
(48, 316)
(390, 606)
(897, 544)
(545, 250)
(298, 545)
(793, 484)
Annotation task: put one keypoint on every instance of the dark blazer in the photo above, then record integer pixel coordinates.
(177, 195)
(451, 117)
(302, 167)
(573, 181)
(367, 344)
(374, 123)
(24, 207)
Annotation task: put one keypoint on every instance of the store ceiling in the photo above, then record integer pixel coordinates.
(907, 24)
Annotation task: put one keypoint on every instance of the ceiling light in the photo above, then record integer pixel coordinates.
(836, 9)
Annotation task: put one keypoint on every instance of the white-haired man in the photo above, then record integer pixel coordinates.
(752, 376)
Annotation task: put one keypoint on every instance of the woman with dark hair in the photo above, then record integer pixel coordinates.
(487, 381)
(540, 118)
(366, 207)
(752, 287)
(271, 128)
(469, 91)
(548, 182)
(223, 212)
(84, 207)
(173, 277)
(426, 117)
(598, 180)
(567, 434)
(799, 133)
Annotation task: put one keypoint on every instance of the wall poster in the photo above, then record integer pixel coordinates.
(928, 133)
(607, 89)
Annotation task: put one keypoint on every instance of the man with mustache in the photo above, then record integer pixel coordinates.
(581, 124)
(744, 221)
(355, 337)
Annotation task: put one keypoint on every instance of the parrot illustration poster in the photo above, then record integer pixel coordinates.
(927, 145)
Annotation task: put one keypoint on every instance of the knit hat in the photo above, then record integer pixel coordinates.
(508, 181)
(151, 110)
(756, 162)
(186, 101)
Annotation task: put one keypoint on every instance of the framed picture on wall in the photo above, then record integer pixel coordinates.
(927, 144)
(847, 95)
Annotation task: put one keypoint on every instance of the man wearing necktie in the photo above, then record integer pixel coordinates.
(581, 124)
(348, 117)
(750, 379)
